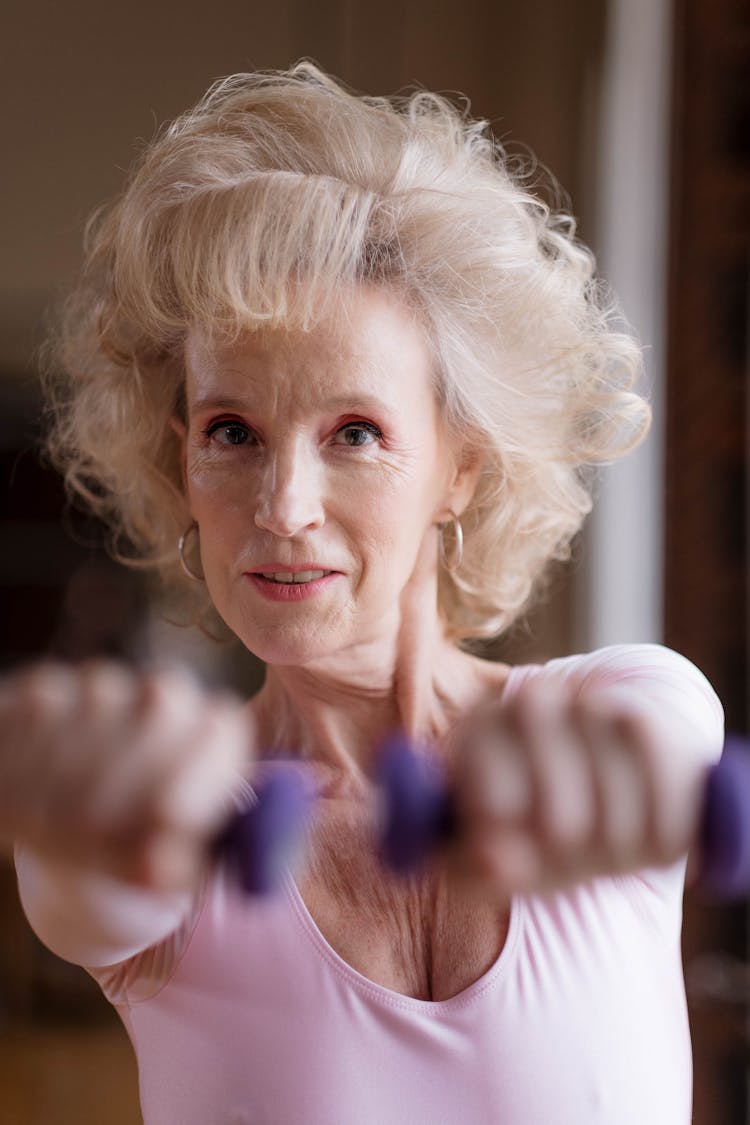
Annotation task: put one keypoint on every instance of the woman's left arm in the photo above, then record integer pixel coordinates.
(589, 766)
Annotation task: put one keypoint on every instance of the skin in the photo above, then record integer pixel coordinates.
(328, 447)
(339, 457)
(275, 477)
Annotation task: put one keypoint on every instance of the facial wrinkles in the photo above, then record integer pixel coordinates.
(362, 511)
(290, 415)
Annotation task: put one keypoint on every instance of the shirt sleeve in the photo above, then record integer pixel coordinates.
(655, 679)
(91, 919)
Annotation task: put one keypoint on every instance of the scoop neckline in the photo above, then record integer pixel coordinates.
(387, 996)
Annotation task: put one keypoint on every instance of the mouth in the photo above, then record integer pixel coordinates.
(275, 584)
(292, 577)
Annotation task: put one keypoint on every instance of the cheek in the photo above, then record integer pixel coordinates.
(215, 490)
(200, 483)
(222, 515)
(390, 526)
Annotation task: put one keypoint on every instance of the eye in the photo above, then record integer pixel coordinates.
(357, 433)
(229, 432)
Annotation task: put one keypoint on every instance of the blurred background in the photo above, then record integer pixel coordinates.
(641, 108)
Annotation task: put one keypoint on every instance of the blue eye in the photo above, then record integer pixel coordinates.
(229, 433)
(357, 434)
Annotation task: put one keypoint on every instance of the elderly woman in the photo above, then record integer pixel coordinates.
(338, 375)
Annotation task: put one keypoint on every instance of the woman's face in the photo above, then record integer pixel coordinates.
(317, 468)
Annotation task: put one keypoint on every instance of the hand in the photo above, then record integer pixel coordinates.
(553, 789)
(126, 773)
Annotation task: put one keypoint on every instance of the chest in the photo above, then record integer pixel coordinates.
(428, 936)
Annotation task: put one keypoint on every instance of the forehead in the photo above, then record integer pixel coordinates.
(374, 344)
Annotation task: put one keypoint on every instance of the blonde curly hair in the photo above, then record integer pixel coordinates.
(254, 209)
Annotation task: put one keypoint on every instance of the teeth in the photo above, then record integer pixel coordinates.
(287, 576)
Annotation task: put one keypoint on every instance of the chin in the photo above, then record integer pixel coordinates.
(290, 645)
(302, 634)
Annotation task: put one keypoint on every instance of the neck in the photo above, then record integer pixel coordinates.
(336, 711)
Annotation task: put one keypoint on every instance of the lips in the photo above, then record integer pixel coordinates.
(275, 583)
(287, 577)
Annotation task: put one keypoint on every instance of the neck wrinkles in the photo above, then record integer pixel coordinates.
(337, 712)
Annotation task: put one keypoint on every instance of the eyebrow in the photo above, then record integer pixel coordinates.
(338, 402)
(212, 402)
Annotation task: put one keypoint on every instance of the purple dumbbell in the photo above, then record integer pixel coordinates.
(267, 836)
(725, 825)
(419, 811)
(420, 814)
(262, 840)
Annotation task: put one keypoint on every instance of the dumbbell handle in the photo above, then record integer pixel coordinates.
(419, 814)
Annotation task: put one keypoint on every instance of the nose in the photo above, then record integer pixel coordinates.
(290, 499)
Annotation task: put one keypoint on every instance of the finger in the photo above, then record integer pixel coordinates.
(170, 862)
(671, 813)
(165, 716)
(623, 804)
(564, 808)
(494, 785)
(103, 695)
(43, 701)
(511, 860)
(197, 794)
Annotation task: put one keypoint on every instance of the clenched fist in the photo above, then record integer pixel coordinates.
(129, 774)
(554, 787)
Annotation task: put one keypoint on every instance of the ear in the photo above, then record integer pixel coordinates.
(462, 483)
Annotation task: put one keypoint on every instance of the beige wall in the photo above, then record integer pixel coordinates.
(83, 82)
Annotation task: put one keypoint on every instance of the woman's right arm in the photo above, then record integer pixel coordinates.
(112, 785)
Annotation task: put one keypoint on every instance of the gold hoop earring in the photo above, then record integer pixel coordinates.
(181, 552)
(452, 562)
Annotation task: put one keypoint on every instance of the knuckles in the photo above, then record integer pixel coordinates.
(103, 743)
(597, 795)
